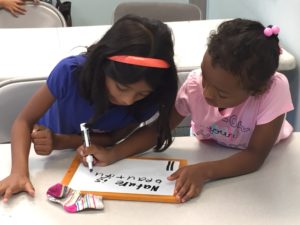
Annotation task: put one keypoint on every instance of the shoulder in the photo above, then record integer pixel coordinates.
(62, 76)
(195, 77)
(280, 78)
(190, 93)
(276, 100)
(67, 66)
(71, 61)
(193, 81)
(278, 83)
(278, 87)
(192, 85)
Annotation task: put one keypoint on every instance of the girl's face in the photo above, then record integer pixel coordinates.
(221, 88)
(121, 94)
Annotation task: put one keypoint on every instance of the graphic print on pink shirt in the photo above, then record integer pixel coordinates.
(225, 132)
(233, 127)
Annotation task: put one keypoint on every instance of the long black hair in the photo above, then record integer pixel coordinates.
(136, 36)
(240, 47)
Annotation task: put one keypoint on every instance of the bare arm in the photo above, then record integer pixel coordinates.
(144, 138)
(189, 180)
(22, 127)
(44, 141)
(139, 141)
(20, 143)
(261, 143)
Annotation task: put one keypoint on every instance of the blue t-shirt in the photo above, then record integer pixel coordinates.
(70, 109)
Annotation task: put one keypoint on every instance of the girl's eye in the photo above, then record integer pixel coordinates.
(221, 95)
(143, 95)
(121, 87)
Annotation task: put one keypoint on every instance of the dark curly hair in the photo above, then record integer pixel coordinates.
(136, 36)
(240, 47)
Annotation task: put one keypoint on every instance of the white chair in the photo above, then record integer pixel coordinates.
(14, 94)
(164, 11)
(37, 15)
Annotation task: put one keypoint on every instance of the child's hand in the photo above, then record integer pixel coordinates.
(14, 184)
(102, 156)
(15, 7)
(189, 182)
(42, 139)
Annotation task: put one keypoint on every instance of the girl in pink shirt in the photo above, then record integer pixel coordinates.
(237, 99)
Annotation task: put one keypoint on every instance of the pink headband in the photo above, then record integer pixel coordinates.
(140, 61)
(272, 30)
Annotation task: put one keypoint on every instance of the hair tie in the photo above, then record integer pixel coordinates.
(271, 30)
(140, 61)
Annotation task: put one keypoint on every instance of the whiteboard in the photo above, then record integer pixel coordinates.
(142, 179)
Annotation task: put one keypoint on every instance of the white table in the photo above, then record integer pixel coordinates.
(33, 52)
(268, 196)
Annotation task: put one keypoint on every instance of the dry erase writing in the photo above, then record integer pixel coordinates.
(101, 177)
(143, 177)
(137, 186)
(133, 182)
(87, 143)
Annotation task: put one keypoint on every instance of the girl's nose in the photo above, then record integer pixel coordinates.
(128, 99)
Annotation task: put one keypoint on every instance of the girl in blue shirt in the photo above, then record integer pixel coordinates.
(119, 83)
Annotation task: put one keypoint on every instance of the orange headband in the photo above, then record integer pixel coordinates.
(140, 61)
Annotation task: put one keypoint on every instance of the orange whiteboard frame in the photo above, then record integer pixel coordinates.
(123, 196)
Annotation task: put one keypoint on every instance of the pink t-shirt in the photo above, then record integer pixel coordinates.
(233, 127)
